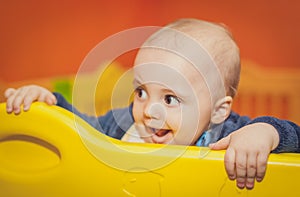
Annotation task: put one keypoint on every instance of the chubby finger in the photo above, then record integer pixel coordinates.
(50, 99)
(13, 100)
(18, 100)
(229, 161)
(251, 170)
(10, 96)
(9, 92)
(9, 103)
(241, 170)
(29, 98)
(47, 98)
(42, 97)
(262, 160)
(221, 144)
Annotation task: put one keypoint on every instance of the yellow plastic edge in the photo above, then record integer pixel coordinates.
(49, 151)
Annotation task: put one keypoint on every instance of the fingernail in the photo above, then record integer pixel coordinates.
(26, 107)
(8, 110)
(249, 186)
(231, 177)
(50, 101)
(17, 111)
(241, 185)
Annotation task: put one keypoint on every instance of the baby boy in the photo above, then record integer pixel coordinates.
(185, 78)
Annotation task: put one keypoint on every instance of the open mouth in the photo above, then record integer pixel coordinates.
(160, 132)
(161, 136)
(155, 135)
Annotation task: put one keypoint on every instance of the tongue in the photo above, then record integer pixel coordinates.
(163, 139)
(161, 132)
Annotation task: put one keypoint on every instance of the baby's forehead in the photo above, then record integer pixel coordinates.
(160, 55)
(168, 78)
(176, 48)
(194, 66)
(161, 65)
(164, 58)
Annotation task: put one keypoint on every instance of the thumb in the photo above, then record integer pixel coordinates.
(222, 144)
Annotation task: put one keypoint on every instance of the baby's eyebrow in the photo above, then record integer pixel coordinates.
(171, 92)
(175, 92)
(136, 83)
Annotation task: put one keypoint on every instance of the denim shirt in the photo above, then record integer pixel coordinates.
(116, 122)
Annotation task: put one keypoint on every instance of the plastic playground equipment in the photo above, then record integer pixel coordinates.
(50, 152)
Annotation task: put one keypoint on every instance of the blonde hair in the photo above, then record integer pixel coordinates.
(219, 43)
(218, 40)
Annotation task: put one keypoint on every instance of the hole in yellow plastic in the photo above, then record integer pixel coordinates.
(23, 153)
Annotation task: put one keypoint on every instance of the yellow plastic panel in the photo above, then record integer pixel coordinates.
(50, 152)
(27, 154)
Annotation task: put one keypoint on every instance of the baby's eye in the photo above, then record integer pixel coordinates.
(172, 100)
(141, 93)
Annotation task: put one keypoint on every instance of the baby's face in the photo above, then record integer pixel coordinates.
(172, 104)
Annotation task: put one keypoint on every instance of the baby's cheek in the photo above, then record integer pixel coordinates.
(136, 112)
(174, 120)
(190, 129)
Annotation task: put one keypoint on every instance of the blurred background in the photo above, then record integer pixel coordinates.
(45, 39)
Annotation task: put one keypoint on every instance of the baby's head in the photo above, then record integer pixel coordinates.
(185, 76)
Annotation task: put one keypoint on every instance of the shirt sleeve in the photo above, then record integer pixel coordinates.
(114, 123)
(289, 133)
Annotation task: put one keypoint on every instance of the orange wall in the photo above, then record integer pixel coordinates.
(51, 37)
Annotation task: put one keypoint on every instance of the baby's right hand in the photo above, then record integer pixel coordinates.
(25, 96)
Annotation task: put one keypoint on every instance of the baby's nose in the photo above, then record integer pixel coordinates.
(155, 111)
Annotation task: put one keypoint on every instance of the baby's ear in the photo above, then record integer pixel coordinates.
(221, 110)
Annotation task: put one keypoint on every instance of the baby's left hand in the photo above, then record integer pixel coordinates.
(247, 153)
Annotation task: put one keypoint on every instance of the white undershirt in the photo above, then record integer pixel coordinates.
(132, 135)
